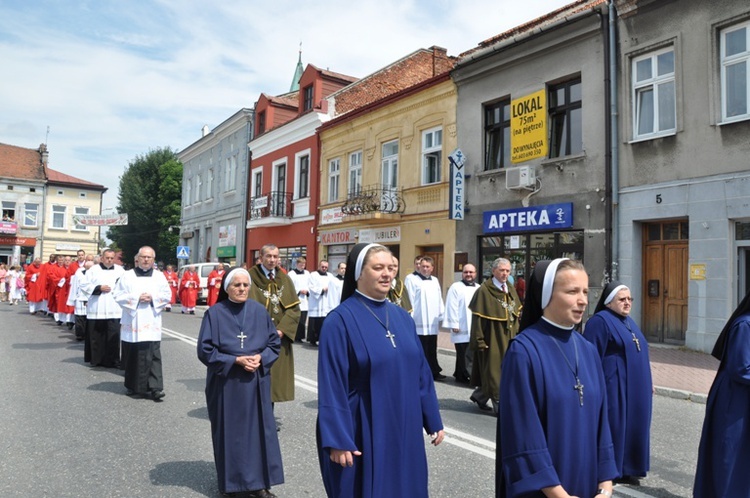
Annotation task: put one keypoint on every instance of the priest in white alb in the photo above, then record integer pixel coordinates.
(143, 293)
(428, 309)
(102, 311)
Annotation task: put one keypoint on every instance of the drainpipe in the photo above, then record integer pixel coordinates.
(614, 143)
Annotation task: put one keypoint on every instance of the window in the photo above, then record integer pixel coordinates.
(10, 187)
(81, 210)
(261, 123)
(432, 155)
(188, 192)
(210, 184)
(58, 216)
(303, 172)
(30, 214)
(566, 124)
(654, 94)
(230, 177)
(60, 192)
(497, 135)
(334, 169)
(9, 211)
(257, 183)
(198, 184)
(355, 173)
(735, 66)
(389, 165)
(82, 195)
(307, 102)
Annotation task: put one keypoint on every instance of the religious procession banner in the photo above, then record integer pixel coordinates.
(101, 220)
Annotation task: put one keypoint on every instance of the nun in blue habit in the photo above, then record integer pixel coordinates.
(238, 343)
(627, 372)
(724, 454)
(376, 396)
(552, 429)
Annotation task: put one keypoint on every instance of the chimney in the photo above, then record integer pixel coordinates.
(204, 130)
(45, 155)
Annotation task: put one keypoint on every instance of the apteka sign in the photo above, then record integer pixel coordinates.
(532, 218)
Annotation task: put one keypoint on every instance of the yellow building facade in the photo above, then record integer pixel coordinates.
(384, 173)
(66, 197)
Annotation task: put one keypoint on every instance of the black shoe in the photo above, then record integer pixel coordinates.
(70, 325)
(192, 312)
(58, 322)
(157, 395)
(439, 377)
(461, 380)
(482, 406)
(629, 480)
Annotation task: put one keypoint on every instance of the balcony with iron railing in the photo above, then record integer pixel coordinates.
(376, 201)
(270, 209)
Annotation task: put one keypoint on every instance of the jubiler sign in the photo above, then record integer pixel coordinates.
(528, 127)
(533, 218)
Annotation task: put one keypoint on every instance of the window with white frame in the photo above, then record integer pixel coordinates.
(303, 176)
(58, 216)
(257, 183)
(389, 165)
(355, 173)
(198, 184)
(210, 184)
(432, 155)
(84, 211)
(188, 192)
(334, 170)
(735, 66)
(31, 214)
(654, 98)
(230, 178)
(9, 211)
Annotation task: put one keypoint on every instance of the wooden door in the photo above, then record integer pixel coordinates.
(665, 286)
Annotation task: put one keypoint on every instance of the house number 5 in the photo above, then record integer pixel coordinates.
(658, 198)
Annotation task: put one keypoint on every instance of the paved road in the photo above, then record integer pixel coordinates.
(69, 430)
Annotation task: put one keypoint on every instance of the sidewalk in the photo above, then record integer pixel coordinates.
(677, 372)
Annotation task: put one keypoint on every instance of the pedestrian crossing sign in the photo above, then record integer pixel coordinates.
(183, 252)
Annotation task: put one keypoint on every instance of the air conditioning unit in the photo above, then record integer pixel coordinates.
(523, 177)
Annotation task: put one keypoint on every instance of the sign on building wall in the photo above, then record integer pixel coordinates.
(331, 215)
(528, 127)
(532, 218)
(457, 160)
(101, 220)
(338, 237)
(380, 235)
(227, 235)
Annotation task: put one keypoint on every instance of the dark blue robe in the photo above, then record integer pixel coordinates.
(724, 454)
(545, 436)
(374, 398)
(243, 429)
(627, 373)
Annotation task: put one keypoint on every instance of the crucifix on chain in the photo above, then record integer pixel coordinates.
(242, 338)
(391, 337)
(579, 387)
(637, 342)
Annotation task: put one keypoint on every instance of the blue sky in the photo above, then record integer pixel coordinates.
(115, 79)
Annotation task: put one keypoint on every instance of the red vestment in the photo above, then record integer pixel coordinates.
(173, 282)
(214, 283)
(189, 286)
(34, 286)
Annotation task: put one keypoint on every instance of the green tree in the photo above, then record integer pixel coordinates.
(151, 194)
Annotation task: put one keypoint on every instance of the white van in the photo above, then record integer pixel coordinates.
(202, 269)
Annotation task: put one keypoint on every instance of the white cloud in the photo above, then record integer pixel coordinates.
(115, 79)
